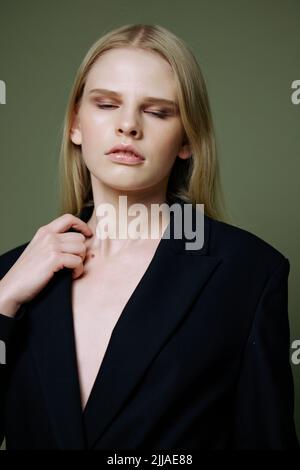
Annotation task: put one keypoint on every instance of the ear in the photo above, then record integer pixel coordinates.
(185, 151)
(75, 131)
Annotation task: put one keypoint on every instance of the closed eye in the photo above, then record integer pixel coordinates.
(160, 115)
(105, 106)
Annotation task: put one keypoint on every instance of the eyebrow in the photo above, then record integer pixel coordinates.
(148, 99)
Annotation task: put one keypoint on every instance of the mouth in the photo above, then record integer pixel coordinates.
(128, 158)
(129, 149)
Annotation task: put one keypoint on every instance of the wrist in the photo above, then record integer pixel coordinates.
(8, 305)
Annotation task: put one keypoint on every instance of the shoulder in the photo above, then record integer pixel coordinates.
(8, 258)
(235, 243)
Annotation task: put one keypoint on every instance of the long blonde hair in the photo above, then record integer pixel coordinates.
(194, 180)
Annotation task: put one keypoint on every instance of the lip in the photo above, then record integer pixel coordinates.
(125, 148)
(121, 157)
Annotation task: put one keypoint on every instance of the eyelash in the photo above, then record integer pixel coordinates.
(162, 115)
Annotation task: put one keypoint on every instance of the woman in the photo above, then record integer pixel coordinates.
(140, 343)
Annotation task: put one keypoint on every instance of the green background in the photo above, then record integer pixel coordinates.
(249, 54)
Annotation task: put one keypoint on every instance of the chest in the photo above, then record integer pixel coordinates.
(99, 297)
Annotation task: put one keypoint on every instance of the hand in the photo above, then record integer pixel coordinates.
(50, 250)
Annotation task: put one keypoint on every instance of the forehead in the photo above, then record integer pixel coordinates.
(129, 69)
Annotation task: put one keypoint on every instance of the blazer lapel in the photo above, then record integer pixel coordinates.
(159, 303)
(53, 347)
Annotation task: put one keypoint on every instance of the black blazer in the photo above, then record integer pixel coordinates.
(199, 358)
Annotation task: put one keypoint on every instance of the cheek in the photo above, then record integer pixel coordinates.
(90, 124)
(167, 143)
(92, 135)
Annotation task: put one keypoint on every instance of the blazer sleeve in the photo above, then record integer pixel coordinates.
(8, 327)
(264, 401)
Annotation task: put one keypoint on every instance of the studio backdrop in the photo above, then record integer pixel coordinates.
(249, 55)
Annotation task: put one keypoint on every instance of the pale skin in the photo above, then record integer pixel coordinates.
(106, 272)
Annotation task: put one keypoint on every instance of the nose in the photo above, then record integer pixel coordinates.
(129, 126)
(123, 131)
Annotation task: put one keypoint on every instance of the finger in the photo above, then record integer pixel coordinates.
(71, 237)
(68, 221)
(70, 261)
(77, 272)
(73, 248)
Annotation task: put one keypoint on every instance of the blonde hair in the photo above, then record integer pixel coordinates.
(194, 180)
